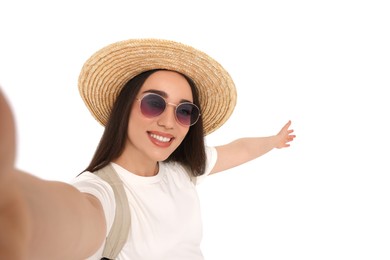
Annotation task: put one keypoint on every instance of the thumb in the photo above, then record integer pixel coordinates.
(7, 134)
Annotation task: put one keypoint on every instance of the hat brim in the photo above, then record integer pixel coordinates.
(109, 69)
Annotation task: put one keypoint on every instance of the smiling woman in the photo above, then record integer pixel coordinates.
(157, 100)
(154, 137)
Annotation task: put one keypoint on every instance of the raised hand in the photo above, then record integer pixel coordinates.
(285, 136)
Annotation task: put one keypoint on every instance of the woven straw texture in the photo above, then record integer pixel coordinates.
(109, 69)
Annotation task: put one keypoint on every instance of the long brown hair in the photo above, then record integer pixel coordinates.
(190, 153)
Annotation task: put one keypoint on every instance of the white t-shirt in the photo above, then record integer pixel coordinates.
(165, 213)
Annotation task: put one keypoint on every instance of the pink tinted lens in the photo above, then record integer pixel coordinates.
(187, 113)
(152, 105)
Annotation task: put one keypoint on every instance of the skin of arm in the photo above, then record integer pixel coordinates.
(14, 219)
(14, 224)
(246, 149)
(65, 223)
(42, 219)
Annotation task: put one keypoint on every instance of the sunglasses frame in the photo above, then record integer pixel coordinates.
(166, 104)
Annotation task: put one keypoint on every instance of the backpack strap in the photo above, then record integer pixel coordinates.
(119, 232)
(193, 179)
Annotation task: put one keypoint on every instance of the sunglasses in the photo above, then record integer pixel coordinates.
(152, 105)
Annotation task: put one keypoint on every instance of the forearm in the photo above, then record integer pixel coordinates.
(14, 220)
(243, 150)
(250, 148)
(62, 222)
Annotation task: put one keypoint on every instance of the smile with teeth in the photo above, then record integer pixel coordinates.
(161, 138)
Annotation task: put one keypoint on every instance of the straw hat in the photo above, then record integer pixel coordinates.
(109, 69)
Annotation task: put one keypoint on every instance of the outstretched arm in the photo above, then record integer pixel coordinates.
(245, 149)
(42, 219)
(13, 214)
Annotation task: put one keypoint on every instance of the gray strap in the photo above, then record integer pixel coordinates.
(119, 232)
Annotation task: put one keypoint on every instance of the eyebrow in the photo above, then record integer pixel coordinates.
(163, 94)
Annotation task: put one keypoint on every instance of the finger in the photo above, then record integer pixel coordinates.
(291, 137)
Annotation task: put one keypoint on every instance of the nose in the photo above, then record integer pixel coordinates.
(167, 119)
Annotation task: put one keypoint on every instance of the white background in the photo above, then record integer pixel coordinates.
(322, 64)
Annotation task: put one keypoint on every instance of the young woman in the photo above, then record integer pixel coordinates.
(157, 100)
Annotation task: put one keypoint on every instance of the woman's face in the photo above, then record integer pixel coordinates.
(155, 138)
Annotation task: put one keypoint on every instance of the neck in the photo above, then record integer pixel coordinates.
(139, 167)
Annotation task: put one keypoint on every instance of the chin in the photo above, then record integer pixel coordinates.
(161, 157)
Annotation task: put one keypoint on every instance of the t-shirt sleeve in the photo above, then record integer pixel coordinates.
(211, 159)
(90, 183)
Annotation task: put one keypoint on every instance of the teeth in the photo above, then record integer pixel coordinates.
(160, 138)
